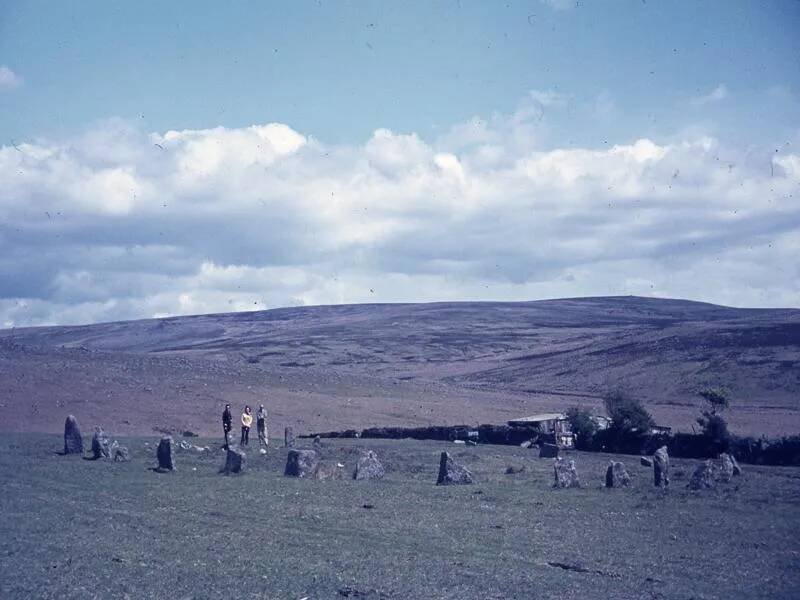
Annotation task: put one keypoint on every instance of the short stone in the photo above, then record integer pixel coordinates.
(301, 463)
(645, 462)
(368, 467)
(121, 454)
(451, 473)
(73, 441)
(617, 476)
(565, 475)
(101, 447)
(703, 477)
(234, 461)
(725, 472)
(288, 437)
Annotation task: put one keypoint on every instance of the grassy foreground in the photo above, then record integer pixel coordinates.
(71, 528)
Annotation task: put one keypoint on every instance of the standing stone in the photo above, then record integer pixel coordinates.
(737, 470)
(368, 466)
(451, 473)
(703, 477)
(164, 453)
(121, 453)
(301, 463)
(617, 475)
(234, 461)
(317, 445)
(725, 473)
(661, 467)
(548, 451)
(100, 444)
(565, 474)
(73, 442)
(645, 462)
(288, 437)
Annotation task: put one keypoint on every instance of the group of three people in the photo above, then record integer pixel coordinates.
(247, 421)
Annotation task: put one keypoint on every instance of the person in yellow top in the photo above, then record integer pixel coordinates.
(247, 420)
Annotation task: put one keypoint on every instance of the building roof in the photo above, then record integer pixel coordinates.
(539, 418)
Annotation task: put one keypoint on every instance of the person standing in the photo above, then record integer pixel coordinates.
(227, 423)
(261, 426)
(247, 420)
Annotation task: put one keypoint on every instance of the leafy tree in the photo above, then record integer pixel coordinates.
(627, 414)
(584, 428)
(714, 426)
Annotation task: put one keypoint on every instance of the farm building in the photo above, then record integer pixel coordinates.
(552, 427)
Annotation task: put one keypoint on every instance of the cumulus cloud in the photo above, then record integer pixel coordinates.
(718, 94)
(120, 223)
(8, 79)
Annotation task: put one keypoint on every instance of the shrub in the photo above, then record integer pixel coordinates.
(714, 427)
(627, 413)
(584, 428)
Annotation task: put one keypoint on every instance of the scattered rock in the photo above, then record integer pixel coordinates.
(548, 451)
(511, 470)
(645, 462)
(703, 477)
(100, 444)
(121, 453)
(461, 442)
(328, 470)
(451, 473)
(234, 461)
(262, 451)
(288, 437)
(164, 454)
(661, 467)
(565, 474)
(616, 475)
(526, 444)
(189, 434)
(73, 441)
(185, 445)
(368, 467)
(301, 463)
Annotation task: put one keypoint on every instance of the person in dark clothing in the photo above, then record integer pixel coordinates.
(227, 423)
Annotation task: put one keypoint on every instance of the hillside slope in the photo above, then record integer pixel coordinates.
(358, 365)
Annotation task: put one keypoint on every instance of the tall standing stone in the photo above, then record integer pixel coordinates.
(451, 473)
(661, 467)
(317, 444)
(368, 466)
(565, 474)
(301, 463)
(288, 437)
(727, 468)
(617, 475)
(165, 455)
(234, 461)
(101, 447)
(73, 441)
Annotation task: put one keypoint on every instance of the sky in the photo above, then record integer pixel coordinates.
(193, 157)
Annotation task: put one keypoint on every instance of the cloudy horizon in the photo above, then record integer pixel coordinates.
(555, 192)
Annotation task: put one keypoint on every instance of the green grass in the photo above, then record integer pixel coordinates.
(71, 528)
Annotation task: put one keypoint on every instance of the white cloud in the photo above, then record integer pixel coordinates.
(560, 4)
(116, 223)
(718, 94)
(8, 79)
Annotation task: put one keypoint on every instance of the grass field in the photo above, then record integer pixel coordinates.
(71, 528)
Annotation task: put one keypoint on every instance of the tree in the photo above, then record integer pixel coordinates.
(627, 414)
(714, 426)
(582, 425)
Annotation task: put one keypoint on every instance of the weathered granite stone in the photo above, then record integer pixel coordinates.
(73, 441)
(301, 463)
(703, 477)
(317, 443)
(101, 447)
(565, 474)
(368, 466)
(121, 453)
(164, 453)
(234, 461)
(661, 467)
(451, 473)
(726, 468)
(616, 475)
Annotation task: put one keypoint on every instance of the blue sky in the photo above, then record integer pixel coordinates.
(165, 158)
